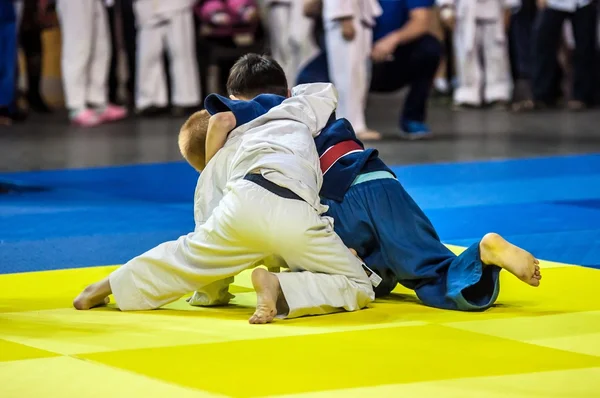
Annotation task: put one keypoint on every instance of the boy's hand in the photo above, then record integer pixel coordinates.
(348, 31)
(219, 127)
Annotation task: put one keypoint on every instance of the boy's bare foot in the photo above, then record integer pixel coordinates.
(495, 250)
(267, 291)
(92, 296)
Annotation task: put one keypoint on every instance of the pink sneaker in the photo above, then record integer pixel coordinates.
(112, 113)
(86, 118)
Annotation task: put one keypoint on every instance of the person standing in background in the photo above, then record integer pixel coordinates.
(405, 54)
(547, 35)
(85, 62)
(169, 23)
(480, 28)
(349, 39)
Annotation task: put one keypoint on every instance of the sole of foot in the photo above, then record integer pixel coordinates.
(88, 300)
(495, 250)
(267, 292)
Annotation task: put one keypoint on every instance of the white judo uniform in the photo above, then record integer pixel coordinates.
(169, 24)
(349, 62)
(239, 223)
(290, 36)
(85, 52)
(480, 31)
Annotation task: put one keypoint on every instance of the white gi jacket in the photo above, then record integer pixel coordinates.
(283, 150)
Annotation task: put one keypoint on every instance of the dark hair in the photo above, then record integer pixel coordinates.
(255, 74)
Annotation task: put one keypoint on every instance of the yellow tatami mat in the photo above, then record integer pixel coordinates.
(542, 343)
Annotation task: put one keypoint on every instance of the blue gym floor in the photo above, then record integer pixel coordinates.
(88, 217)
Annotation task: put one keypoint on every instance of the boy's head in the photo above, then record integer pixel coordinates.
(255, 74)
(192, 139)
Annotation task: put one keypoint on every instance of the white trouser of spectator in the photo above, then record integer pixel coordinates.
(495, 71)
(349, 69)
(280, 29)
(177, 33)
(85, 52)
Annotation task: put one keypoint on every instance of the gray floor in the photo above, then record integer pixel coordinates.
(50, 143)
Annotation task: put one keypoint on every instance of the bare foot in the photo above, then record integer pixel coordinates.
(495, 250)
(267, 291)
(369, 135)
(92, 296)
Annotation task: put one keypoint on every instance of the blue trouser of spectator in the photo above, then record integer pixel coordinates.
(414, 65)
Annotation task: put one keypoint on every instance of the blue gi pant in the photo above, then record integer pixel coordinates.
(380, 220)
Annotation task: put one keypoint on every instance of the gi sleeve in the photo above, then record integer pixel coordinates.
(312, 104)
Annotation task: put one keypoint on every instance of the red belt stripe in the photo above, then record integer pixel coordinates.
(336, 152)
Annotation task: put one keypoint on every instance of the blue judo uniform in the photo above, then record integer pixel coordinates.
(374, 215)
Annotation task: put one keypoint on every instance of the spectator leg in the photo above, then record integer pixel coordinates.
(181, 43)
(129, 39)
(76, 19)
(547, 32)
(422, 58)
(8, 59)
(348, 70)
(151, 84)
(498, 82)
(585, 24)
(469, 67)
(97, 90)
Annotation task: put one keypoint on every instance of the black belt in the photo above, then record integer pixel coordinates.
(285, 193)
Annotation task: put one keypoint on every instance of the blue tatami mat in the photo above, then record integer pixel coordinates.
(75, 218)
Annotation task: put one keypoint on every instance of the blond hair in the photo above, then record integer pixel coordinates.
(192, 139)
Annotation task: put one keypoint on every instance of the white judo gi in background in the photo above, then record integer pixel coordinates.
(85, 52)
(349, 62)
(480, 33)
(239, 223)
(170, 24)
(290, 36)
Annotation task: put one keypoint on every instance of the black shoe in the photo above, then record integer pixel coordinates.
(151, 111)
(37, 104)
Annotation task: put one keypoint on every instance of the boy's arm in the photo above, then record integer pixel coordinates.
(219, 127)
(311, 104)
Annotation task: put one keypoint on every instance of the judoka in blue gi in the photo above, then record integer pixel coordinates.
(8, 59)
(374, 215)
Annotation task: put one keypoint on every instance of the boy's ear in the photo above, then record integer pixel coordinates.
(289, 93)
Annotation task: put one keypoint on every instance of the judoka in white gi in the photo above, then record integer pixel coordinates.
(86, 55)
(349, 39)
(242, 217)
(167, 24)
(480, 29)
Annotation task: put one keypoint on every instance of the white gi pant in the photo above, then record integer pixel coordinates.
(85, 52)
(349, 69)
(280, 35)
(493, 75)
(177, 32)
(250, 224)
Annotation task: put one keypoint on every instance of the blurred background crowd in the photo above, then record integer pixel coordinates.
(147, 58)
